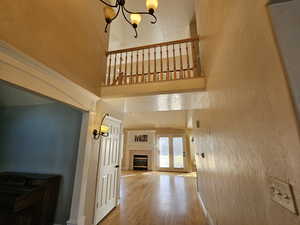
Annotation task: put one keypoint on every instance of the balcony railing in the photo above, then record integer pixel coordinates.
(175, 60)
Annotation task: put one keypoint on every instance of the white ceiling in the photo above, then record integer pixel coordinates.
(174, 17)
(170, 119)
(13, 96)
(159, 103)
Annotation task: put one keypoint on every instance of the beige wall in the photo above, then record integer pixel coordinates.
(286, 21)
(65, 35)
(158, 132)
(249, 131)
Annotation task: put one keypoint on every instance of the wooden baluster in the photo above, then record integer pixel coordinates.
(149, 68)
(181, 63)
(115, 70)
(120, 78)
(131, 68)
(109, 71)
(194, 53)
(188, 59)
(143, 67)
(137, 68)
(155, 78)
(186, 68)
(174, 64)
(161, 64)
(168, 64)
(125, 73)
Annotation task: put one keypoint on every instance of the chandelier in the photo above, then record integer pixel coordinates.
(135, 17)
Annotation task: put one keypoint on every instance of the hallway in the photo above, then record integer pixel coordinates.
(155, 198)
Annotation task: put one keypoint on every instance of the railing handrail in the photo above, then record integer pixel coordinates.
(152, 46)
(165, 61)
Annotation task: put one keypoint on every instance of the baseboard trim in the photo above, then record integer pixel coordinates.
(208, 217)
(80, 221)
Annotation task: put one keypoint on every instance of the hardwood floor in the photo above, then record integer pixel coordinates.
(154, 198)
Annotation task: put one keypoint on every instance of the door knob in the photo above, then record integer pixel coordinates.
(117, 166)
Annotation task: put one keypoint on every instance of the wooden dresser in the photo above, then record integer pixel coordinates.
(28, 199)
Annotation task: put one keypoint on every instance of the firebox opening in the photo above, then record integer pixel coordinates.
(140, 162)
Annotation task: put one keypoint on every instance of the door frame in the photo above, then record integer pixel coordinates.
(185, 161)
(30, 74)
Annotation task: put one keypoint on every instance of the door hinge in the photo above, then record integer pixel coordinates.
(97, 205)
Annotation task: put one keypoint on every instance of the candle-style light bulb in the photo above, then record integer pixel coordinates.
(151, 5)
(135, 19)
(109, 13)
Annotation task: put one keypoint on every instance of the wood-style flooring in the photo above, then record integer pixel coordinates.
(154, 198)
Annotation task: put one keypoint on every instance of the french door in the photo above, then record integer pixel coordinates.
(172, 153)
(109, 171)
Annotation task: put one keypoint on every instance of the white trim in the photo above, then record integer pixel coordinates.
(24, 71)
(209, 219)
(77, 215)
(79, 221)
(21, 70)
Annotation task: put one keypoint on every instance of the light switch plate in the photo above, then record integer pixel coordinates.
(282, 193)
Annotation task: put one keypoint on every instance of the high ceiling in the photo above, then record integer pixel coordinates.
(159, 103)
(174, 17)
(157, 111)
(169, 119)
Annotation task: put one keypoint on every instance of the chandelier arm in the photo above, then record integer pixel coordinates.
(116, 14)
(155, 19)
(142, 13)
(136, 33)
(108, 4)
(128, 21)
(107, 24)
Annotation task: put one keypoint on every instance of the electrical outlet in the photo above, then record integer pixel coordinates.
(282, 193)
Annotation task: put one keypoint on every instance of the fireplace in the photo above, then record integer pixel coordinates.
(140, 162)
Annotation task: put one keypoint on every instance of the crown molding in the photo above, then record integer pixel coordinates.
(22, 70)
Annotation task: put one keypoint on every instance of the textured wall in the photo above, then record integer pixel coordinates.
(42, 139)
(166, 119)
(68, 36)
(286, 21)
(158, 132)
(249, 130)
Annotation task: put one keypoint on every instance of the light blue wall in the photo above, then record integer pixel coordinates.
(42, 139)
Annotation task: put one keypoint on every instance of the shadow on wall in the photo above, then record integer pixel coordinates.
(286, 21)
(42, 139)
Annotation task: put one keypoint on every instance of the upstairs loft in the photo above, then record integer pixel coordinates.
(168, 67)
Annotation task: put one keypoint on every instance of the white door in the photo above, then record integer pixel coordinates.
(109, 171)
(172, 153)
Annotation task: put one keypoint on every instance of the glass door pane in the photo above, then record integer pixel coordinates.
(164, 155)
(178, 153)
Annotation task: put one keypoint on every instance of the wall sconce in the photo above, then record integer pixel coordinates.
(103, 130)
